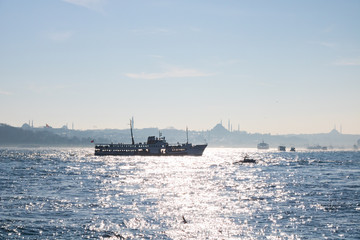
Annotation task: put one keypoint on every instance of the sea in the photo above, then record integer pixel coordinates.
(68, 193)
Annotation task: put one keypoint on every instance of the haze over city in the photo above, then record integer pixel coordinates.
(275, 67)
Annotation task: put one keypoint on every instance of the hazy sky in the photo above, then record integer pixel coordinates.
(270, 66)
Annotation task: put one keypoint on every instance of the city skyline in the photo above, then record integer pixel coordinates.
(271, 67)
(218, 136)
(228, 126)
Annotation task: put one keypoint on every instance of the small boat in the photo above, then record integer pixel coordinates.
(282, 148)
(292, 149)
(246, 159)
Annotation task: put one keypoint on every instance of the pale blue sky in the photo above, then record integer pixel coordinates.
(271, 66)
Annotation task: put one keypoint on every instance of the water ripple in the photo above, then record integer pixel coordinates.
(69, 193)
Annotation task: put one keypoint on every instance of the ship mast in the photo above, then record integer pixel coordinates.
(132, 135)
(187, 135)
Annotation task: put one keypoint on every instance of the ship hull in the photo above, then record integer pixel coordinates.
(134, 150)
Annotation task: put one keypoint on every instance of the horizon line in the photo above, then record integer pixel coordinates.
(46, 126)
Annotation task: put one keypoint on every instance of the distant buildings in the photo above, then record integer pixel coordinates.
(218, 136)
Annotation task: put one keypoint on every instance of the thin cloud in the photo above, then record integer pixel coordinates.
(324, 44)
(195, 29)
(90, 4)
(229, 62)
(60, 36)
(327, 44)
(153, 31)
(329, 29)
(5, 93)
(155, 56)
(48, 89)
(174, 73)
(348, 62)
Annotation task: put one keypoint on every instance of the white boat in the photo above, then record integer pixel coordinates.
(263, 145)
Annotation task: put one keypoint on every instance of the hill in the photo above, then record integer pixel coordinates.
(216, 137)
(18, 136)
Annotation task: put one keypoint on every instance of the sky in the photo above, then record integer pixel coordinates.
(276, 67)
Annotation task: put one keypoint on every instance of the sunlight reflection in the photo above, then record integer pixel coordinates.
(195, 197)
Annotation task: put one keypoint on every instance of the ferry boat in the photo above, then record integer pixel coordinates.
(263, 145)
(317, 147)
(155, 146)
(282, 148)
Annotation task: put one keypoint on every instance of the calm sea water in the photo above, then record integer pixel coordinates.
(71, 194)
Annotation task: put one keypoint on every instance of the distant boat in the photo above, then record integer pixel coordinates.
(246, 159)
(263, 145)
(292, 149)
(155, 146)
(282, 148)
(316, 147)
